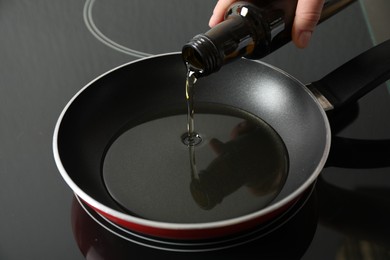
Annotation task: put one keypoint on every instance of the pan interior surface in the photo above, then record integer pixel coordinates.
(239, 167)
(151, 91)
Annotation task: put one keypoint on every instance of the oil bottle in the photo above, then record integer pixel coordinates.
(251, 29)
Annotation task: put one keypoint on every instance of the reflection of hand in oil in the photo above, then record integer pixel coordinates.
(252, 158)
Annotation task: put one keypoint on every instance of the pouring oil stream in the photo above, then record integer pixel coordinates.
(192, 138)
(190, 84)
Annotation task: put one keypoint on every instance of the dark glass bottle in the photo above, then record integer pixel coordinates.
(249, 30)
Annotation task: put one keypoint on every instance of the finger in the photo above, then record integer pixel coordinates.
(219, 11)
(307, 14)
(240, 129)
(217, 146)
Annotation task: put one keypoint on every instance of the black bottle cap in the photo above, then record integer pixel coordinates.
(201, 54)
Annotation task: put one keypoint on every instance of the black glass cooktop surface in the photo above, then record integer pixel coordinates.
(49, 50)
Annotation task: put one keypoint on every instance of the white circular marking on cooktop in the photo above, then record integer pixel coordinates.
(88, 19)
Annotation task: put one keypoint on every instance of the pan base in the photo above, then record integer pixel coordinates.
(300, 216)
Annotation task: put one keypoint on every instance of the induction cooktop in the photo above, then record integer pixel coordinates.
(52, 49)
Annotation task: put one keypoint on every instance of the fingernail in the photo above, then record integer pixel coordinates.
(304, 38)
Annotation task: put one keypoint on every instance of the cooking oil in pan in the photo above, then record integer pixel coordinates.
(237, 166)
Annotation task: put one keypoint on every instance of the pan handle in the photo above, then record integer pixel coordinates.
(355, 78)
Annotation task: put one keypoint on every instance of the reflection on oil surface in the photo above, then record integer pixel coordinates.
(242, 167)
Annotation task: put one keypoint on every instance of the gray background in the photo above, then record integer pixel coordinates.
(47, 54)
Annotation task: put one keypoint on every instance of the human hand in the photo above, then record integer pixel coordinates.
(307, 14)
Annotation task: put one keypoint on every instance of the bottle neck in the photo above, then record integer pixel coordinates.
(202, 55)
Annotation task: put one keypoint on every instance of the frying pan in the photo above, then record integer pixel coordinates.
(153, 88)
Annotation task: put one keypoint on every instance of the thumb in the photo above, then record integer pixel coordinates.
(307, 14)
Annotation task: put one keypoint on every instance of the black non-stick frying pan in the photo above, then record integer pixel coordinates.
(151, 90)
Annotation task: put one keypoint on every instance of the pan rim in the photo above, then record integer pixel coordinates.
(187, 226)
